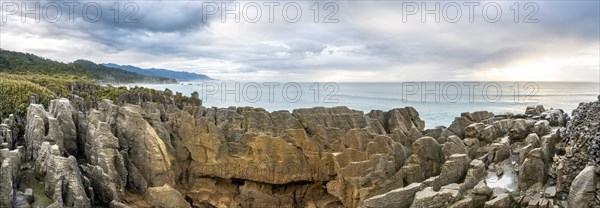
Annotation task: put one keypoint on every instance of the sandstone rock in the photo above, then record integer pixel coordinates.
(62, 110)
(7, 176)
(475, 174)
(430, 156)
(458, 126)
(535, 110)
(116, 204)
(41, 126)
(62, 178)
(412, 171)
(499, 152)
(550, 192)
(467, 202)
(478, 116)
(166, 196)
(106, 169)
(524, 151)
(501, 201)
(430, 198)
(532, 170)
(542, 128)
(147, 152)
(548, 147)
(489, 133)
(519, 129)
(454, 170)
(503, 126)
(453, 146)
(472, 145)
(474, 130)
(582, 190)
(482, 189)
(398, 198)
(533, 139)
(556, 117)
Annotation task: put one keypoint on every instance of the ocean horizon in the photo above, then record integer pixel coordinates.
(438, 103)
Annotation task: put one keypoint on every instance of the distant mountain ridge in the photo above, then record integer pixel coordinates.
(17, 62)
(178, 75)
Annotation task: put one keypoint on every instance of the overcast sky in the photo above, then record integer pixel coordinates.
(363, 41)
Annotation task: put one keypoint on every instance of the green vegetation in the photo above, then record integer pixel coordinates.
(22, 75)
(114, 75)
(16, 62)
(15, 89)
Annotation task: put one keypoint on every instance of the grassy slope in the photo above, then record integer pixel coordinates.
(22, 75)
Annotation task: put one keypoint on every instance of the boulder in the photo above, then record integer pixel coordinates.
(458, 126)
(556, 117)
(548, 147)
(478, 116)
(542, 128)
(430, 198)
(472, 145)
(398, 198)
(453, 145)
(167, 197)
(501, 201)
(583, 188)
(503, 126)
(480, 194)
(534, 110)
(519, 129)
(489, 134)
(454, 170)
(475, 174)
(533, 139)
(499, 152)
(474, 130)
(429, 154)
(532, 170)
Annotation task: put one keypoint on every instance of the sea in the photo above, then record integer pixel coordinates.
(438, 103)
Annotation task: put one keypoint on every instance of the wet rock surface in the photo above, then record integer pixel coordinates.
(149, 152)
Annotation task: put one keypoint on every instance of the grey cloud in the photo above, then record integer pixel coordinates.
(175, 30)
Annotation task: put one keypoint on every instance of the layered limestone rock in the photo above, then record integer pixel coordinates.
(63, 181)
(583, 188)
(106, 166)
(146, 153)
(161, 153)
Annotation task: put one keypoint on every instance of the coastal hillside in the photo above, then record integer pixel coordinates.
(179, 75)
(16, 62)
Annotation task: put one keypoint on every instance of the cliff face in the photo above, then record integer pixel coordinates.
(162, 154)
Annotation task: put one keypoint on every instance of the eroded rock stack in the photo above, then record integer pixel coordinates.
(161, 154)
(578, 169)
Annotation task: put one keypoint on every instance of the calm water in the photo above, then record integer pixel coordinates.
(437, 102)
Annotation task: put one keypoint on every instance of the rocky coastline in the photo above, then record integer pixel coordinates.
(149, 151)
